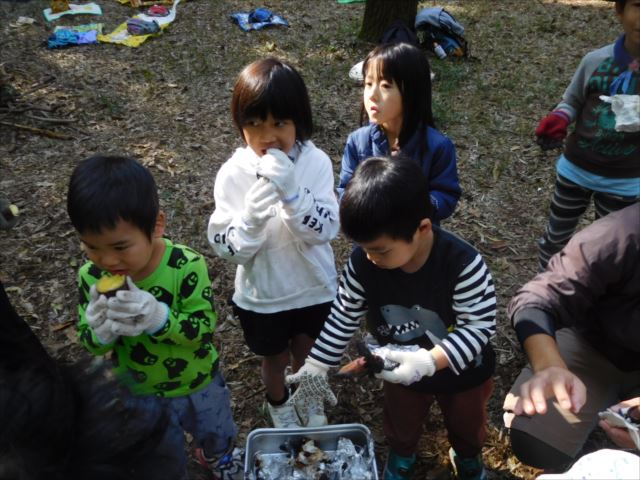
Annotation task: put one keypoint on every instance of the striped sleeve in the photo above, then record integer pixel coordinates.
(474, 303)
(348, 308)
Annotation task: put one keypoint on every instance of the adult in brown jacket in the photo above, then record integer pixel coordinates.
(579, 324)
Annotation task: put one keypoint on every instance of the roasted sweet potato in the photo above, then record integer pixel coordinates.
(367, 363)
(354, 368)
(110, 284)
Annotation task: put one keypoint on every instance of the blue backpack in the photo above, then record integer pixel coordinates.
(437, 25)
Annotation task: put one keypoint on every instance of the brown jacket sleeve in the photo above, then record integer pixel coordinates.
(593, 285)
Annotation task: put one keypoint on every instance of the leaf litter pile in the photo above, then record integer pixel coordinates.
(166, 103)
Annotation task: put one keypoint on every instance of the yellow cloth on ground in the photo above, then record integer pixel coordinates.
(121, 36)
(142, 3)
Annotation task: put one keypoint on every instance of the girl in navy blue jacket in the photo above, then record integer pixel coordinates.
(397, 105)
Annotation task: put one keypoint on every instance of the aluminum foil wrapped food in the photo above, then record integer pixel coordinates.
(306, 461)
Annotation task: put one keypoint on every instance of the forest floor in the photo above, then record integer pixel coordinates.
(166, 103)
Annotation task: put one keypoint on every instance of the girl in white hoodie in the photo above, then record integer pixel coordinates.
(275, 214)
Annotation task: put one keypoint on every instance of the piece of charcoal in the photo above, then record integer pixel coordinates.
(373, 363)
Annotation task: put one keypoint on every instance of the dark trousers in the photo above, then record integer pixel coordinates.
(568, 204)
(465, 416)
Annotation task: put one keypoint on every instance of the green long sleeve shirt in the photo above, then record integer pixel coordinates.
(180, 358)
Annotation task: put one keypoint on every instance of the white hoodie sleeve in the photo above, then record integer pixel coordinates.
(313, 216)
(230, 237)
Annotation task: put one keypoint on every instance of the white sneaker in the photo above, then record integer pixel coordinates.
(284, 416)
(229, 466)
(312, 414)
(355, 73)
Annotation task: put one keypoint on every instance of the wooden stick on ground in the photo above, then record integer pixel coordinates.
(24, 108)
(39, 85)
(39, 131)
(50, 120)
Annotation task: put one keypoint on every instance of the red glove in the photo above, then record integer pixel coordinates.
(553, 126)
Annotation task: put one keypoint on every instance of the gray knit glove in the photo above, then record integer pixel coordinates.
(312, 383)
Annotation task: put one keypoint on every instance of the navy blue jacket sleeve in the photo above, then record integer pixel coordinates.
(443, 179)
(350, 160)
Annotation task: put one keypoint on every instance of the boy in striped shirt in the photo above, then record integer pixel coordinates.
(417, 285)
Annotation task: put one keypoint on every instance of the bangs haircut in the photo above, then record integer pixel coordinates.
(104, 189)
(408, 67)
(385, 196)
(270, 86)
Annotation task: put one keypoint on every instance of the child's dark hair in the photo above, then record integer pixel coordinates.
(408, 67)
(103, 190)
(385, 196)
(68, 421)
(272, 86)
(620, 4)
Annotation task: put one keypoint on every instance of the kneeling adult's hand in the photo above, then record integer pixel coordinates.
(567, 388)
(623, 437)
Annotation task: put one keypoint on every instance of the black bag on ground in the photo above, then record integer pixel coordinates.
(400, 32)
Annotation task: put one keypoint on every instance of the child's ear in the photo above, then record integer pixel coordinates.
(425, 226)
(161, 223)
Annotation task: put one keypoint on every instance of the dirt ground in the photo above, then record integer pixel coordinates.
(166, 103)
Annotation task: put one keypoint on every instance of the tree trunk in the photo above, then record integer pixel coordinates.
(379, 14)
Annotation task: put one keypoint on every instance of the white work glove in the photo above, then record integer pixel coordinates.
(413, 366)
(135, 311)
(259, 203)
(278, 168)
(312, 383)
(96, 315)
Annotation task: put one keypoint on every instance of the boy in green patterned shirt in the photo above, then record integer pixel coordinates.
(160, 327)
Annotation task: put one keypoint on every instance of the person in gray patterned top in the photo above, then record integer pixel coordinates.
(600, 159)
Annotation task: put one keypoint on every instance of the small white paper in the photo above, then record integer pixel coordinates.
(626, 108)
